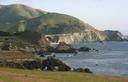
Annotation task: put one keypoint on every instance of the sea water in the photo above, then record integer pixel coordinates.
(111, 59)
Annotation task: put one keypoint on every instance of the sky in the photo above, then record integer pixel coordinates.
(102, 14)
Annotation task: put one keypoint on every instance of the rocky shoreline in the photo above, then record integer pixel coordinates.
(48, 64)
(28, 60)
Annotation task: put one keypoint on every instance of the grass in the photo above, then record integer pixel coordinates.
(19, 75)
(7, 79)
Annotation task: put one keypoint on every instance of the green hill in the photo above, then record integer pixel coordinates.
(54, 23)
(19, 18)
(37, 20)
(12, 14)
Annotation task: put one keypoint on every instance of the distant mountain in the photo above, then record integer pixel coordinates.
(19, 18)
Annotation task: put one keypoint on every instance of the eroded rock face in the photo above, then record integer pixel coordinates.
(114, 35)
(76, 37)
(88, 35)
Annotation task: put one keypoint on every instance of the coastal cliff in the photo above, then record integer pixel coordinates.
(76, 37)
(87, 36)
(114, 35)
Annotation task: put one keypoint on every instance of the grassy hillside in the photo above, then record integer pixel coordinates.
(17, 75)
(12, 17)
(12, 14)
(54, 23)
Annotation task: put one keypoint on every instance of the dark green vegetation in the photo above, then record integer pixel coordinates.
(31, 37)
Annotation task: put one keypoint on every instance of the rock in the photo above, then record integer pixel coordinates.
(22, 65)
(62, 47)
(114, 35)
(78, 37)
(79, 70)
(87, 70)
(51, 49)
(84, 49)
(31, 65)
(41, 53)
(52, 64)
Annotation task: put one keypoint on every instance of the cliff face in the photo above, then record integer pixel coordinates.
(126, 37)
(114, 35)
(76, 37)
(86, 36)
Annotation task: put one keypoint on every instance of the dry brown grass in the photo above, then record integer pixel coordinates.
(15, 56)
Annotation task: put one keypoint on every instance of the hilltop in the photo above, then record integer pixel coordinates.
(12, 14)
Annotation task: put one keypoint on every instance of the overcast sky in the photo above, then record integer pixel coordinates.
(102, 14)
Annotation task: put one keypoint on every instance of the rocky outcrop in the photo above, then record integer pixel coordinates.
(34, 64)
(62, 47)
(126, 38)
(53, 64)
(87, 70)
(114, 35)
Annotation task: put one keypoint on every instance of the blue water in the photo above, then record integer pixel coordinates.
(112, 58)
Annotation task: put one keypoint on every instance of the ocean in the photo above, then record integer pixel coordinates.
(112, 58)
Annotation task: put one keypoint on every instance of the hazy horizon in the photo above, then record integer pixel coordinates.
(102, 14)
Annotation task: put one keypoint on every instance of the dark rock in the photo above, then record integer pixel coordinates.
(79, 70)
(62, 47)
(84, 49)
(82, 70)
(31, 64)
(96, 64)
(52, 63)
(22, 65)
(42, 53)
(87, 70)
